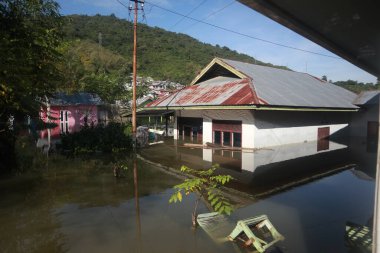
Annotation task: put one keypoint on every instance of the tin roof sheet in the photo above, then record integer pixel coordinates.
(288, 88)
(366, 97)
(215, 91)
(80, 98)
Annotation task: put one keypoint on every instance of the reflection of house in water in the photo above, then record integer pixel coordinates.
(262, 170)
(282, 166)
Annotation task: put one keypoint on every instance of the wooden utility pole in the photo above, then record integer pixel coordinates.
(134, 124)
(134, 74)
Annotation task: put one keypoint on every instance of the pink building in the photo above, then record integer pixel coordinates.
(72, 112)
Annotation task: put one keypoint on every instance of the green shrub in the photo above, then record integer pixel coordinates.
(29, 158)
(110, 138)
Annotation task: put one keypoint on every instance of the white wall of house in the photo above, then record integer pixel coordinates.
(271, 128)
(274, 128)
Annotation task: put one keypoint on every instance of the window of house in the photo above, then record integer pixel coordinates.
(236, 139)
(217, 137)
(226, 138)
(64, 121)
(227, 132)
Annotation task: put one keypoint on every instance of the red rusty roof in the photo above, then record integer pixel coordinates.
(216, 91)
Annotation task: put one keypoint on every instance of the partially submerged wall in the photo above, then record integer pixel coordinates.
(273, 128)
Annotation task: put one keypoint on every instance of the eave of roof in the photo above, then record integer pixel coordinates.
(347, 28)
(251, 107)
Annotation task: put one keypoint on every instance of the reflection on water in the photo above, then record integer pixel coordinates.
(309, 192)
(137, 205)
(77, 205)
(263, 171)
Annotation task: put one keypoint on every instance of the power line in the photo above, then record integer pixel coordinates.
(242, 34)
(144, 16)
(123, 4)
(187, 15)
(211, 14)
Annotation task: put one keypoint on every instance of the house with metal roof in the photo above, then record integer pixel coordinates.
(71, 112)
(239, 104)
(366, 123)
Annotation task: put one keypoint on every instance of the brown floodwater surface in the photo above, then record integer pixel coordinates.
(77, 205)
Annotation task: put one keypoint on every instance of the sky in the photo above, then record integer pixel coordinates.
(234, 16)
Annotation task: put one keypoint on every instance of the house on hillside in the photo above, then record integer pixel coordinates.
(71, 112)
(238, 104)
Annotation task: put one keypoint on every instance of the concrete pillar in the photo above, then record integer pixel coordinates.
(247, 135)
(175, 127)
(207, 130)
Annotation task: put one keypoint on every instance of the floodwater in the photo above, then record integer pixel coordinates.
(309, 191)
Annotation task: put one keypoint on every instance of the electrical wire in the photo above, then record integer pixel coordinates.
(187, 15)
(242, 34)
(123, 4)
(211, 14)
(144, 16)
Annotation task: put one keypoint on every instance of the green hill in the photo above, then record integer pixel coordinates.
(162, 55)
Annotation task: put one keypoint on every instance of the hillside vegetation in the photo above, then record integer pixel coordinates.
(357, 87)
(98, 56)
(161, 54)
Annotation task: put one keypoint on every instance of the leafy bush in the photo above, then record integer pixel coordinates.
(207, 185)
(110, 138)
(29, 158)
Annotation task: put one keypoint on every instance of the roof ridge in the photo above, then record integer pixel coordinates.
(259, 65)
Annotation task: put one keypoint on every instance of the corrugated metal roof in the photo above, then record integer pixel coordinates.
(288, 88)
(260, 85)
(366, 96)
(216, 91)
(80, 98)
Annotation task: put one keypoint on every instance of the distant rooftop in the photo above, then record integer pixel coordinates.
(80, 98)
(367, 97)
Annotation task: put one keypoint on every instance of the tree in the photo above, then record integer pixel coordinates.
(324, 78)
(30, 35)
(207, 186)
(29, 38)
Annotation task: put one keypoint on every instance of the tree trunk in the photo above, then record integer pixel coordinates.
(194, 215)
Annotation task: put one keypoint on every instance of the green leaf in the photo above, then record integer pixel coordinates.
(217, 206)
(179, 195)
(214, 201)
(227, 210)
(184, 168)
(173, 198)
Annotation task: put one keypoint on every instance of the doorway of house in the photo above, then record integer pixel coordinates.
(190, 129)
(227, 133)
